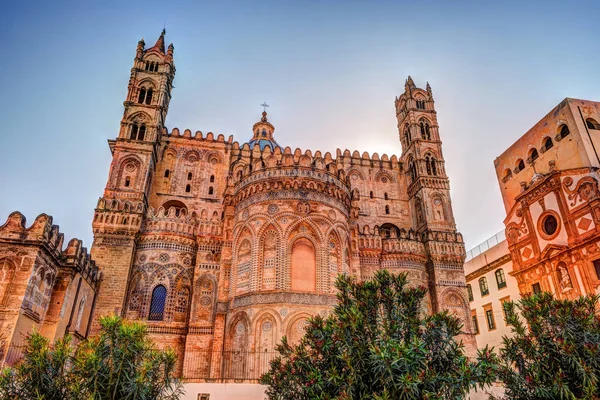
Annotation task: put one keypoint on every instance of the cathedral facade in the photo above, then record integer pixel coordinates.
(224, 247)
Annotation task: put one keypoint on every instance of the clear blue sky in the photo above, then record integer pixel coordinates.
(329, 69)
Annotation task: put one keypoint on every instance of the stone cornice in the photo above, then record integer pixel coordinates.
(489, 267)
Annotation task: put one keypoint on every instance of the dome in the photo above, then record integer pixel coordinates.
(264, 143)
(262, 134)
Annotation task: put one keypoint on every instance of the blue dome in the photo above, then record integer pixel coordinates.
(264, 143)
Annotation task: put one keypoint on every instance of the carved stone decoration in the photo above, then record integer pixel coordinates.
(303, 207)
(272, 209)
(585, 190)
(564, 279)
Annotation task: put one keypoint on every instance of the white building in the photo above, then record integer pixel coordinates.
(490, 283)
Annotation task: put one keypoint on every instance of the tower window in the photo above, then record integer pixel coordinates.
(592, 124)
(167, 172)
(385, 196)
(127, 181)
(520, 166)
(157, 304)
(188, 188)
(387, 209)
(533, 155)
(547, 144)
(507, 175)
(142, 132)
(142, 96)
(264, 133)
(134, 132)
(470, 291)
(149, 96)
(212, 178)
(427, 132)
(189, 176)
(210, 190)
(564, 131)
(412, 171)
(371, 194)
(421, 104)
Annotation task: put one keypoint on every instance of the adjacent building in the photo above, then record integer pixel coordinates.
(42, 286)
(222, 247)
(488, 270)
(549, 184)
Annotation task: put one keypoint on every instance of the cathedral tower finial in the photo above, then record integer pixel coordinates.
(160, 42)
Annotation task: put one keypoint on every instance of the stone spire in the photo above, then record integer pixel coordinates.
(160, 42)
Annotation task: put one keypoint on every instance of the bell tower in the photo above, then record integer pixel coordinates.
(429, 197)
(428, 185)
(119, 214)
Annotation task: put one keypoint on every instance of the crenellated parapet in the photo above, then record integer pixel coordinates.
(198, 136)
(45, 234)
(118, 216)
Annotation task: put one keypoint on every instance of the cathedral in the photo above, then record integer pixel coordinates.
(223, 247)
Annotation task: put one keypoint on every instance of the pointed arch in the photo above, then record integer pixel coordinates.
(7, 275)
(303, 265)
(205, 297)
(269, 255)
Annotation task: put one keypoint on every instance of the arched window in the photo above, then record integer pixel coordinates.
(142, 96)
(142, 132)
(371, 194)
(385, 196)
(421, 104)
(520, 166)
(407, 135)
(564, 131)
(547, 145)
(427, 132)
(189, 176)
(592, 124)
(533, 155)
(412, 171)
(149, 96)
(134, 132)
(167, 173)
(483, 286)
(507, 175)
(304, 266)
(264, 133)
(212, 178)
(188, 188)
(157, 304)
(387, 209)
(127, 181)
(500, 279)
(422, 127)
(210, 190)
(470, 291)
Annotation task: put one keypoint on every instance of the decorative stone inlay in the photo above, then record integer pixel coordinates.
(303, 207)
(272, 209)
(290, 298)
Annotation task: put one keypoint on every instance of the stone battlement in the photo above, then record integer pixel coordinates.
(43, 232)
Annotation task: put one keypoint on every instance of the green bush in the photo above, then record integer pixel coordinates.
(120, 363)
(378, 344)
